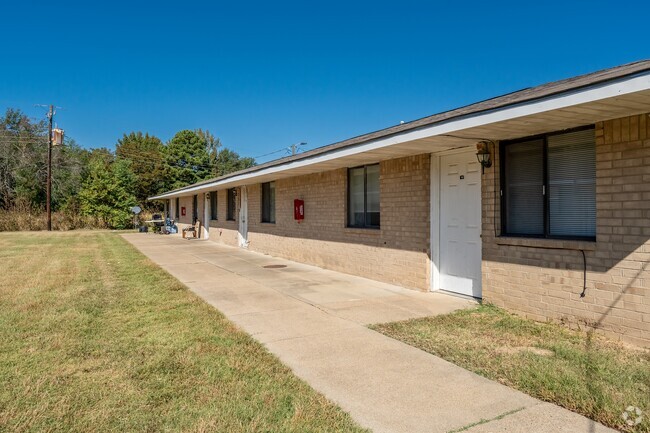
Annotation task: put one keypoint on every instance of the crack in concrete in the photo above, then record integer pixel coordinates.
(485, 421)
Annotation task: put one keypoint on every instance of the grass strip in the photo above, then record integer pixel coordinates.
(95, 337)
(578, 370)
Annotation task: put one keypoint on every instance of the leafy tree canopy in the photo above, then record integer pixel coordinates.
(107, 193)
(228, 161)
(147, 162)
(187, 159)
(23, 150)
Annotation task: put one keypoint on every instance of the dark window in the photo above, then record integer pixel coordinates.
(268, 202)
(363, 196)
(195, 208)
(231, 204)
(213, 205)
(549, 186)
(177, 208)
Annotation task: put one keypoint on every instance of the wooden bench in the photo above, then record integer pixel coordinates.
(195, 230)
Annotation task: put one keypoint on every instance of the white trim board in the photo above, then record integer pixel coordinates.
(434, 221)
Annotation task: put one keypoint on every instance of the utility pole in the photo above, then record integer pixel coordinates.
(50, 115)
(294, 147)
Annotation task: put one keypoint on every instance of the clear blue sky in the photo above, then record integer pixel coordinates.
(264, 75)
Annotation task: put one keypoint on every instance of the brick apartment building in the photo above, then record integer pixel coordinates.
(554, 225)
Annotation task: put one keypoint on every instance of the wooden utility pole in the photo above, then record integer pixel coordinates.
(50, 115)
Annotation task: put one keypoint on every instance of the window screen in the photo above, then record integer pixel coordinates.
(268, 202)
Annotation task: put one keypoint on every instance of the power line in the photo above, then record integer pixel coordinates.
(292, 150)
(162, 159)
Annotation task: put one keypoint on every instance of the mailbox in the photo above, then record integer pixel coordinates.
(183, 211)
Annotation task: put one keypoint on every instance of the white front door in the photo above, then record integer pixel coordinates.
(243, 218)
(460, 224)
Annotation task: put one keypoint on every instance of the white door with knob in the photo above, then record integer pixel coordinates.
(460, 224)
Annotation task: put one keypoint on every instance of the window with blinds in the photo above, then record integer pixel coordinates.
(213, 205)
(525, 188)
(549, 186)
(231, 204)
(363, 196)
(268, 202)
(572, 184)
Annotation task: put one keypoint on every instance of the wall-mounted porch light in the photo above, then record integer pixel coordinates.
(483, 154)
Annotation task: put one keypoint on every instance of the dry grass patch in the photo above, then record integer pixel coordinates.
(95, 337)
(580, 371)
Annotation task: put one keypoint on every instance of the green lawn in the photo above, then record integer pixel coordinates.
(580, 371)
(95, 337)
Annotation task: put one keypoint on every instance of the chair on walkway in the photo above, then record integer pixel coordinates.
(195, 230)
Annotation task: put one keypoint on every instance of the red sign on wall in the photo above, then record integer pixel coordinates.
(298, 210)
(183, 210)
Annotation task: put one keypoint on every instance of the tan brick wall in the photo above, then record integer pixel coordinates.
(397, 253)
(185, 202)
(545, 284)
(223, 230)
(186, 221)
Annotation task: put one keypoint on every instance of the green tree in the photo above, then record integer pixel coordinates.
(69, 169)
(23, 150)
(107, 194)
(228, 161)
(187, 159)
(213, 144)
(147, 162)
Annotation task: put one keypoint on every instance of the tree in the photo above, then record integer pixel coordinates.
(23, 147)
(69, 170)
(147, 162)
(187, 159)
(212, 144)
(107, 193)
(228, 161)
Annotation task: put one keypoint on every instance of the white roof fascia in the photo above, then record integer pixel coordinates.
(596, 92)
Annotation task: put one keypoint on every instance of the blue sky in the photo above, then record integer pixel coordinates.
(262, 76)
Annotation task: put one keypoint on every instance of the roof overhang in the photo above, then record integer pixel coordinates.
(612, 99)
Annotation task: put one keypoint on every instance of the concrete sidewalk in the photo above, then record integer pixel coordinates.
(315, 321)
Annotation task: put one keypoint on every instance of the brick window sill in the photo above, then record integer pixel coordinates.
(560, 244)
(362, 230)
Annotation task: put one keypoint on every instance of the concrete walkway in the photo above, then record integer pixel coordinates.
(315, 321)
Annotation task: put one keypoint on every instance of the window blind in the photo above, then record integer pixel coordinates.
(231, 204)
(372, 195)
(572, 184)
(213, 205)
(356, 197)
(524, 165)
(268, 202)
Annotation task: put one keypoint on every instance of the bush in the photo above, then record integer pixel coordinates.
(25, 219)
